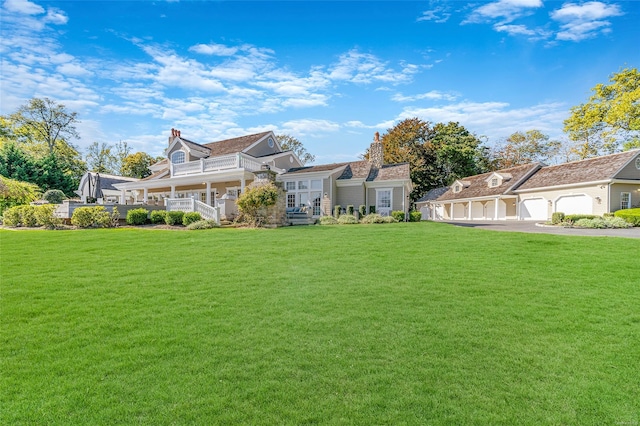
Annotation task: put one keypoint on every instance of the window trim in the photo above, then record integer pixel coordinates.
(184, 156)
(622, 194)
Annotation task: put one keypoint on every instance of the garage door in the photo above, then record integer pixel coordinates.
(575, 204)
(533, 209)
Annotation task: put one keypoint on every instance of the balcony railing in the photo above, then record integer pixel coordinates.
(215, 164)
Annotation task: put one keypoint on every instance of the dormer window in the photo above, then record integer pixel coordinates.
(494, 182)
(178, 157)
(457, 188)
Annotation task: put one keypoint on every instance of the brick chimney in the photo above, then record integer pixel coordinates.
(376, 153)
(174, 133)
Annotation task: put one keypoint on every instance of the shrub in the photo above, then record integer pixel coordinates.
(159, 216)
(557, 218)
(54, 196)
(256, 197)
(174, 218)
(630, 215)
(327, 220)
(362, 209)
(137, 216)
(376, 218)
(372, 209)
(336, 211)
(101, 217)
(347, 219)
(16, 193)
(398, 215)
(573, 218)
(350, 210)
(190, 218)
(602, 223)
(11, 216)
(28, 216)
(415, 216)
(115, 217)
(91, 217)
(618, 222)
(45, 216)
(202, 224)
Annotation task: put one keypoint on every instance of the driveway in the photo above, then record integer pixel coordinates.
(538, 228)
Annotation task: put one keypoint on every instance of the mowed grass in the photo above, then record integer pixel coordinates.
(417, 323)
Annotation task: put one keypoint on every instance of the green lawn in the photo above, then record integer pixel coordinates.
(417, 323)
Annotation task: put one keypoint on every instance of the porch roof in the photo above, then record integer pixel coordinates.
(478, 186)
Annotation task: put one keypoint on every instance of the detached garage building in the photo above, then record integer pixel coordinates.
(534, 191)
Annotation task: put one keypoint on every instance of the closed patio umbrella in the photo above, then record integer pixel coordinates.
(97, 190)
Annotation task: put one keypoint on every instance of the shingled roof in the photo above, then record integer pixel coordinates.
(398, 171)
(590, 170)
(231, 146)
(477, 186)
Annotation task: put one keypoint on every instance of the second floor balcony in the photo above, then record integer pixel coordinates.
(216, 164)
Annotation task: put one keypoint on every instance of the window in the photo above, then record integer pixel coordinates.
(303, 184)
(291, 200)
(384, 199)
(177, 157)
(494, 182)
(316, 198)
(456, 188)
(316, 184)
(625, 200)
(233, 192)
(290, 186)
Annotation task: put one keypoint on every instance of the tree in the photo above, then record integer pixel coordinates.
(122, 149)
(137, 165)
(459, 153)
(524, 148)
(17, 164)
(100, 159)
(42, 121)
(289, 143)
(609, 118)
(15, 192)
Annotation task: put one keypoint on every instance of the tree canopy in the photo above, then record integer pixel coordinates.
(35, 147)
(289, 143)
(610, 119)
(437, 155)
(523, 148)
(137, 165)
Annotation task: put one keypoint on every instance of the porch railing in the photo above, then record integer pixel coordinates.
(225, 162)
(192, 205)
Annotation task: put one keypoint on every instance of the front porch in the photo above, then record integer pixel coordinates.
(505, 208)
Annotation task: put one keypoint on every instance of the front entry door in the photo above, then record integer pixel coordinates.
(383, 202)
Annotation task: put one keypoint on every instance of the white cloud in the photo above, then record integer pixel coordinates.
(56, 16)
(75, 70)
(438, 15)
(356, 67)
(494, 119)
(213, 49)
(583, 21)
(432, 95)
(23, 6)
(506, 10)
(309, 127)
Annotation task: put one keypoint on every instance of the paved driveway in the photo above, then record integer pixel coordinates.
(533, 227)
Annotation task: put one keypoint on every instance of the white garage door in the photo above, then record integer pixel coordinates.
(575, 204)
(534, 209)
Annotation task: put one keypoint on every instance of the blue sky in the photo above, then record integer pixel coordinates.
(330, 73)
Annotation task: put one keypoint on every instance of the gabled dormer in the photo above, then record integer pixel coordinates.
(181, 150)
(496, 179)
(459, 185)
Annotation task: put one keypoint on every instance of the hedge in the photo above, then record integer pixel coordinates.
(630, 215)
(137, 216)
(190, 218)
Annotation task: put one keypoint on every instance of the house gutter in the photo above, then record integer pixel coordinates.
(573, 185)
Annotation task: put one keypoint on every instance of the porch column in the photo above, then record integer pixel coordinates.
(242, 182)
(469, 212)
(495, 213)
(123, 196)
(145, 195)
(209, 193)
(173, 191)
(451, 211)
